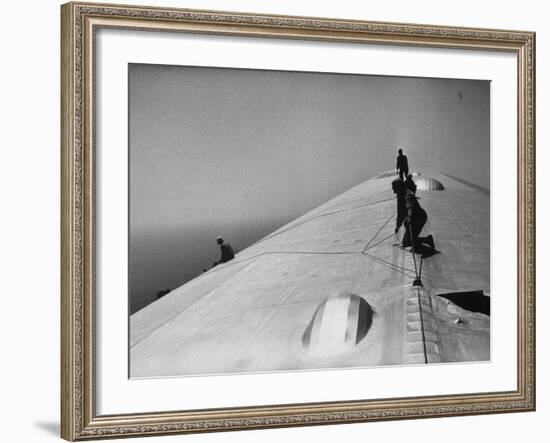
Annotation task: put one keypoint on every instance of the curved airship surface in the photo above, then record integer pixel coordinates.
(331, 289)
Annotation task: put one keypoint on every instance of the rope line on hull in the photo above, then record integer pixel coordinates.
(378, 232)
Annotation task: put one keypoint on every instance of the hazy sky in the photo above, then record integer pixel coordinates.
(238, 153)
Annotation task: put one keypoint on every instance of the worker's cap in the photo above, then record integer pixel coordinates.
(219, 237)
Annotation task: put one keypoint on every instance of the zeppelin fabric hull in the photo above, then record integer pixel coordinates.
(332, 290)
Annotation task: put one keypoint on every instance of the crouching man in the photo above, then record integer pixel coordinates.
(414, 222)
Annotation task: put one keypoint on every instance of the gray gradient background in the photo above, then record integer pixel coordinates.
(239, 153)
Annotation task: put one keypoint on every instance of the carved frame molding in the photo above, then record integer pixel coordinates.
(79, 24)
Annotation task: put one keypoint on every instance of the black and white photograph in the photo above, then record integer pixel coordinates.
(286, 220)
(283, 221)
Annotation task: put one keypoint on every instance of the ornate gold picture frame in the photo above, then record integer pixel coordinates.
(80, 24)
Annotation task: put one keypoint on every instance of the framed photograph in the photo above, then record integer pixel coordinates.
(282, 221)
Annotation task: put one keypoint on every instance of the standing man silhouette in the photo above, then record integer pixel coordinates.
(402, 167)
